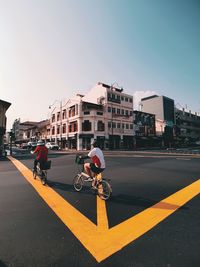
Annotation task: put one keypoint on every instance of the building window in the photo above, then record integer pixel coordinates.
(130, 100)
(122, 111)
(109, 109)
(86, 112)
(64, 114)
(53, 118)
(86, 125)
(58, 129)
(100, 126)
(131, 113)
(118, 111)
(64, 128)
(72, 111)
(118, 125)
(131, 126)
(53, 130)
(126, 112)
(109, 124)
(113, 110)
(127, 126)
(99, 113)
(113, 125)
(73, 127)
(58, 116)
(126, 99)
(122, 125)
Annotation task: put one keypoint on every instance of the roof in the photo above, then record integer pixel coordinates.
(5, 103)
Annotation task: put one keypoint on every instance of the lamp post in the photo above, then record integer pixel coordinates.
(60, 102)
(120, 88)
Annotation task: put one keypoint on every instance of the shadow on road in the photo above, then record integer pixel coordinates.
(2, 264)
(61, 186)
(69, 188)
(30, 156)
(144, 202)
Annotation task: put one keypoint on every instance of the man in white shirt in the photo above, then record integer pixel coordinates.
(98, 162)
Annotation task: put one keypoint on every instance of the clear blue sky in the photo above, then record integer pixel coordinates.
(53, 49)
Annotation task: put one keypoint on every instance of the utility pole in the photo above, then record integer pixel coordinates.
(61, 124)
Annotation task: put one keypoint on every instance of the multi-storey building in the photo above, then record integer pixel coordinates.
(29, 130)
(187, 129)
(105, 113)
(144, 129)
(3, 108)
(163, 108)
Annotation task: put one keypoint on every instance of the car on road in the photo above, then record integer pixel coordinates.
(32, 145)
(51, 145)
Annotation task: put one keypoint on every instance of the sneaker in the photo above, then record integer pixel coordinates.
(94, 187)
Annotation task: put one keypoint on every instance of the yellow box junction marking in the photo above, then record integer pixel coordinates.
(100, 240)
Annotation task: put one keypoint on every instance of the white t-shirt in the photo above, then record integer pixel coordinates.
(97, 157)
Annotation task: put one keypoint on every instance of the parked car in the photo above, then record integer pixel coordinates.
(32, 145)
(24, 146)
(51, 145)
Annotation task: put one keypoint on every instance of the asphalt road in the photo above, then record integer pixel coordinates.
(34, 233)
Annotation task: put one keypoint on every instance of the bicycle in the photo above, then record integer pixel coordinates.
(42, 172)
(102, 187)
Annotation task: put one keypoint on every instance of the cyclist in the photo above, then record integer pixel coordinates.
(42, 152)
(98, 162)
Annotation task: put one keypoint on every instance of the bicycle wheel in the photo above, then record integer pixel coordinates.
(78, 182)
(34, 174)
(104, 190)
(44, 177)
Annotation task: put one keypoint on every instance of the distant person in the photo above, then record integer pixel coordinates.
(42, 152)
(98, 163)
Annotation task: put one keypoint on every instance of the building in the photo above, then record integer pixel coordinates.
(163, 108)
(187, 128)
(3, 119)
(29, 131)
(144, 129)
(105, 113)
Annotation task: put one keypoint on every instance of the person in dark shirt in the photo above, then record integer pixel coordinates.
(42, 153)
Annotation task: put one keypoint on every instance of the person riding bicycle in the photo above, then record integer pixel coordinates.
(42, 152)
(98, 163)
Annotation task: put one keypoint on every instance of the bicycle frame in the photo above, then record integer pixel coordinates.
(101, 185)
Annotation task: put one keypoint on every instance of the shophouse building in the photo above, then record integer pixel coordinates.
(29, 131)
(105, 113)
(187, 128)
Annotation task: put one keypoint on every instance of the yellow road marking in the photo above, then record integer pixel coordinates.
(102, 220)
(101, 241)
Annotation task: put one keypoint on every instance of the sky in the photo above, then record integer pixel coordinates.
(53, 49)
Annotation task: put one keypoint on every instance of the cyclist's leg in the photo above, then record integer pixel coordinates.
(96, 174)
(35, 164)
(87, 169)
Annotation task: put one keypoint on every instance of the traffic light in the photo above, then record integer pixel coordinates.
(12, 136)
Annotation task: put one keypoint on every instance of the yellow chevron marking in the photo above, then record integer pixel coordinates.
(100, 240)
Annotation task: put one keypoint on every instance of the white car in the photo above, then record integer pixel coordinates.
(51, 145)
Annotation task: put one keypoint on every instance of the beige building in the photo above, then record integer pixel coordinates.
(105, 113)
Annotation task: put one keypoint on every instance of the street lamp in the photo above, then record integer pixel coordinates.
(50, 106)
(119, 89)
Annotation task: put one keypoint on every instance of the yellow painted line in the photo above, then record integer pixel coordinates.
(102, 219)
(70, 216)
(101, 241)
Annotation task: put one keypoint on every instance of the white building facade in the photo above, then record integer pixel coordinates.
(105, 113)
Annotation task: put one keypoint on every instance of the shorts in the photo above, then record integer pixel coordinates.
(95, 169)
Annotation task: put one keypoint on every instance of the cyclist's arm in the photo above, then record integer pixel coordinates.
(85, 157)
(35, 151)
